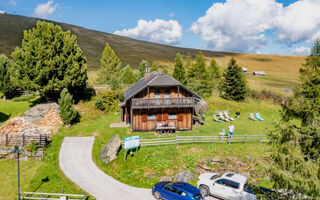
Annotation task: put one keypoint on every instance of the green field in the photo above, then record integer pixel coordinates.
(9, 109)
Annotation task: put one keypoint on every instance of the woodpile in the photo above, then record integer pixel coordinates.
(19, 126)
(51, 120)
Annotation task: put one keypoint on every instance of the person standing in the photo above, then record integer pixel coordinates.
(231, 131)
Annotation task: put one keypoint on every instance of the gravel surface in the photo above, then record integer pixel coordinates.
(75, 160)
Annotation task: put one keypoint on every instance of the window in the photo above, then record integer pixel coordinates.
(151, 117)
(172, 116)
(228, 183)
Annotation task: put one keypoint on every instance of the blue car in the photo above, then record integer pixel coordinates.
(167, 190)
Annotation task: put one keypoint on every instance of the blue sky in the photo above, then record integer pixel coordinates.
(254, 26)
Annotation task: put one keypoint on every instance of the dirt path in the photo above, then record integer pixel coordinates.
(75, 160)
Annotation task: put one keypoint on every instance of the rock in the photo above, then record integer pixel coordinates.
(165, 178)
(39, 153)
(27, 153)
(36, 113)
(109, 151)
(152, 176)
(246, 174)
(213, 161)
(199, 170)
(12, 156)
(205, 167)
(184, 176)
(25, 158)
(201, 107)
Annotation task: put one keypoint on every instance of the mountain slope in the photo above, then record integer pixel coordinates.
(282, 71)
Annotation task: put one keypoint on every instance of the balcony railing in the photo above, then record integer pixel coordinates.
(162, 102)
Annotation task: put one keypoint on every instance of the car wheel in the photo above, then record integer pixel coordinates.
(157, 195)
(204, 190)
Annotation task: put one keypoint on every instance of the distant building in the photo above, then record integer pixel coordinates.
(259, 73)
(158, 97)
(245, 70)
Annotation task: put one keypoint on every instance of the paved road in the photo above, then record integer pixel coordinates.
(75, 160)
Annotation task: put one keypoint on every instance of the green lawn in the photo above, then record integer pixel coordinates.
(144, 169)
(9, 109)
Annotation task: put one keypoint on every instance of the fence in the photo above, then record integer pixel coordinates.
(24, 139)
(51, 196)
(201, 139)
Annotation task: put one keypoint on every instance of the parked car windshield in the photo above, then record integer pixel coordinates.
(215, 176)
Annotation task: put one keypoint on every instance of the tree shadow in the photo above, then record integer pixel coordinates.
(44, 180)
(4, 117)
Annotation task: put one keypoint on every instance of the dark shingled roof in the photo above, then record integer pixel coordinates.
(154, 79)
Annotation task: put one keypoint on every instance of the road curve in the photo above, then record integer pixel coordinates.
(75, 160)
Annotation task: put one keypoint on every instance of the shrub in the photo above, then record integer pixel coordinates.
(33, 147)
(112, 99)
(99, 104)
(24, 98)
(66, 110)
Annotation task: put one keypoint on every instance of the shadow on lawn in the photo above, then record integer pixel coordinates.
(4, 117)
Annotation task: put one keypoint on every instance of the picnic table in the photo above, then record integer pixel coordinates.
(165, 129)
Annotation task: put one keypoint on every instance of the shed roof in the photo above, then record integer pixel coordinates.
(154, 79)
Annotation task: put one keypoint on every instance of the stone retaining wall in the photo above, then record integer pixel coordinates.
(24, 139)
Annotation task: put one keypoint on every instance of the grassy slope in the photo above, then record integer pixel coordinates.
(282, 71)
(9, 109)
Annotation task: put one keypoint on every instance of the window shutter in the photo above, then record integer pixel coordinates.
(144, 117)
(165, 116)
(159, 117)
(180, 117)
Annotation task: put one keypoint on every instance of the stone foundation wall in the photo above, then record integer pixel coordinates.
(23, 140)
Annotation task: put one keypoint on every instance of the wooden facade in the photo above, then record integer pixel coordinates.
(160, 98)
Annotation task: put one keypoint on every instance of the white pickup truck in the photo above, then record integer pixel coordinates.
(226, 186)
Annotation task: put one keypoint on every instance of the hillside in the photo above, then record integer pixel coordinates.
(282, 71)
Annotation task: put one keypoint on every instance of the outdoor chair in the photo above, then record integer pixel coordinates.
(227, 116)
(259, 117)
(223, 118)
(252, 117)
(216, 118)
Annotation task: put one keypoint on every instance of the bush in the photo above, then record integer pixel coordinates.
(33, 147)
(112, 99)
(24, 98)
(99, 104)
(267, 95)
(66, 110)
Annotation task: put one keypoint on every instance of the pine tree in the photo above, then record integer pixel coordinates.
(49, 60)
(188, 61)
(110, 65)
(179, 73)
(127, 75)
(142, 68)
(66, 111)
(214, 74)
(234, 84)
(7, 87)
(198, 78)
(294, 159)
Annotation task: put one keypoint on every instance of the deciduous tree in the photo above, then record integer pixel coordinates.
(7, 87)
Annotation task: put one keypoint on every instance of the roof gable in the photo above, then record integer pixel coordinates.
(154, 79)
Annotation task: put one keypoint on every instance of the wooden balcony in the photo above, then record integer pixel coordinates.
(185, 102)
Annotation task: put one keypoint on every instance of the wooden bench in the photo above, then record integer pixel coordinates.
(165, 129)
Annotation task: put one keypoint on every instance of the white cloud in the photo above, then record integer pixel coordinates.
(237, 25)
(302, 50)
(161, 31)
(2, 12)
(171, 14)
(46, 9)
(300, 21)
(13, 3)
(241, 25)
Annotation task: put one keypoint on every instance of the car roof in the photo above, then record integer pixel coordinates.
(235, 177)
(207, 175)
(186, 187)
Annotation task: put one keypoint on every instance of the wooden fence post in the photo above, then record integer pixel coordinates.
(42, 193)
(159, 140)
(7, 139)
(194, 139)
(245, 139)
(177, 140)
(212, 138)
(23, 140)
(260, 138)
(84, 195)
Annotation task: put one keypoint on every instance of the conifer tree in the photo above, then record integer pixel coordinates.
(7, 87)
(110, 65)
(66, 111)
(49, 60)
(294, 159)
(179, 72)
(234, 84)
(198, 78)
(127, 75)
(214, 73)
(142, 68)
(187, 65)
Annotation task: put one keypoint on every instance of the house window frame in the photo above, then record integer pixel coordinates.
(172, 116)
(154, 117)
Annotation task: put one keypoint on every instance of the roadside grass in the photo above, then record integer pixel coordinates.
(9, 177)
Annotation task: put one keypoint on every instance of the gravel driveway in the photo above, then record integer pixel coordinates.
(75, 160)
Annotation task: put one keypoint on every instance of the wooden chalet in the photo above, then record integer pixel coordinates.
(158, 97)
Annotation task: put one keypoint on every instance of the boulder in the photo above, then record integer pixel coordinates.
(109, 151)
(185, 176)
(165, 178)
(201, 108)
